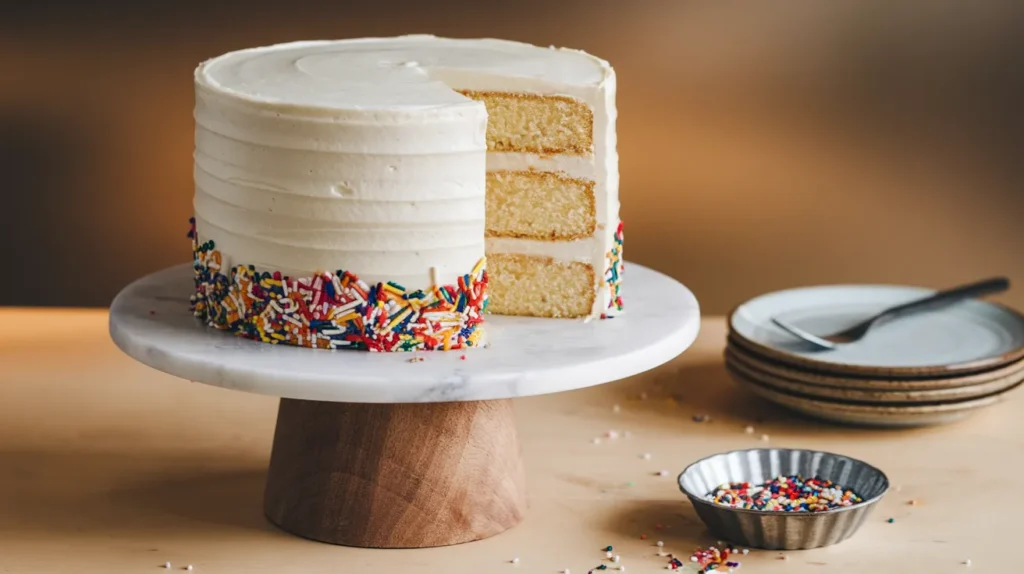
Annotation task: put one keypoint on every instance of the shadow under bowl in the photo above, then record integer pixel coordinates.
(778, 530)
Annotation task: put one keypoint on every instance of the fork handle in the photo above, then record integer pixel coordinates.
(947, 297)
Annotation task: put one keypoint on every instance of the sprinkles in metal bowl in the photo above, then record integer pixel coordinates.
(785, 494)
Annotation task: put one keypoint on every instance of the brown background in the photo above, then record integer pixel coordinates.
(763, 145)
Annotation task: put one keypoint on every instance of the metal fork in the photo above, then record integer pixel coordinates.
(939, 300)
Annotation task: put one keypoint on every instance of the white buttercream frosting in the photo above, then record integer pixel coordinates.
(361, 155)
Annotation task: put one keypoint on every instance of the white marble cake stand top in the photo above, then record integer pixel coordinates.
(151, 322)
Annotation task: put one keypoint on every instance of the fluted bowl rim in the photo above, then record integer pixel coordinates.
(701, 498)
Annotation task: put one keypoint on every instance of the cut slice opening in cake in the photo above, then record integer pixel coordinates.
(550, 217)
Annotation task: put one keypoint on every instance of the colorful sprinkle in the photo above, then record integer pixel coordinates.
(613, 274)
(335, 310)
(701, 418)
(785, 494)
(891, 520)
(710, 559)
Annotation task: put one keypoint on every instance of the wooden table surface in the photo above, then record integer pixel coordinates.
(107, 466)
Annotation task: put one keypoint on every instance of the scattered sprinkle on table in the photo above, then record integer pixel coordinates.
(189, 567)
(748, 429)
(595, 440)
(462, 357)
(616, 558)
(612, 434)
(515, 560)
(608, 554)
(646, 456)
(701, 418)
(765, 437)
(912, 502)
(167, 565)
(891, 520)
(710, 559)
(783, 557)
(643, 537)
(785, 494)
(416, 360)
(662, 473)
(967, 563)
(660, 544)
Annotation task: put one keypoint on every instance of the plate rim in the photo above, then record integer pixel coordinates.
(844, 368)
(868, 382)
(913, 409)
(862, 420)
(1000, 385)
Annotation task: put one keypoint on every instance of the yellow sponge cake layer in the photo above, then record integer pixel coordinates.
(540, 205)
(530, 123)
(539, 286)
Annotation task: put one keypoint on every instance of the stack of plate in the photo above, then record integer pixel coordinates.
(925, 369)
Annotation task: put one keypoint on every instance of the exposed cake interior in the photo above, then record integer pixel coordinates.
(547, 246)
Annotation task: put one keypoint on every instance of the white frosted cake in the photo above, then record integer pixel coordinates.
(384, 193)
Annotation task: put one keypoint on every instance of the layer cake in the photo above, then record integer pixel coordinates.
(385, 193)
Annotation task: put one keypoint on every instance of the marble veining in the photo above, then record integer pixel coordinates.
(150, 321)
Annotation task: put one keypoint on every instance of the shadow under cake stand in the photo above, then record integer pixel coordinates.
(373, 450)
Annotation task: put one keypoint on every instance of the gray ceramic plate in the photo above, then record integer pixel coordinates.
(968, 337)
(887, 416)
(740, 352)
(893, 395)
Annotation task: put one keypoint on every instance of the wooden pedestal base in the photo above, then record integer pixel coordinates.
(395, 475)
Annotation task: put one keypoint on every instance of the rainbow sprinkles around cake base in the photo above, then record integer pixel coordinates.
(335, 310)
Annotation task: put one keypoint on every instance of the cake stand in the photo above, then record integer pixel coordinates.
(403, 450)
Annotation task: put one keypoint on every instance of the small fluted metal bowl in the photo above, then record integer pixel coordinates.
(777, 530)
